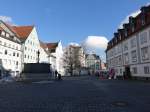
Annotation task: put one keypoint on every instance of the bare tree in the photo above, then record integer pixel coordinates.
(71, 59)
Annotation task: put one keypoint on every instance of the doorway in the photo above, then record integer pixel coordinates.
(127, 72)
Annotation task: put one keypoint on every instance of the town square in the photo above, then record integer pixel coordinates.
(74, 56)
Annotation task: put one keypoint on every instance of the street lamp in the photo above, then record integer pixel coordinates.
(38, 54)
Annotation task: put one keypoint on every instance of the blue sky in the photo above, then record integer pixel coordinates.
(70, 20)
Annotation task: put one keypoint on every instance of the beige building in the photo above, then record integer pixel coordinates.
(74, 58)
(129, 50)
(93, 62)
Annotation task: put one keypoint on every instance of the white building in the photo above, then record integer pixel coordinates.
(10, 51)
(93, 62)
(44, 53)
(129, 50)
(30, 42)
(55, 56)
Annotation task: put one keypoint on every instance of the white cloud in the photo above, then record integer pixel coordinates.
(96, 42)
(126, 20)
(74, 44)
(7, 20)
(133, 14)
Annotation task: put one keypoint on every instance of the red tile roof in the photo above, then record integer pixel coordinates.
(22, 31)
(1, 29)
(43, 45)
(52, 45)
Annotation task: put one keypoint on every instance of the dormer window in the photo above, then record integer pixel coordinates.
(3, 33)
(132, 28)
(116, 40)
(132, 23)
(143, 12)
(119, 37)
(7, 35)
(125, 32)
(143, 19)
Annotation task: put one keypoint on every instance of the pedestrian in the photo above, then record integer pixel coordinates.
(59, 76)
(56, 73)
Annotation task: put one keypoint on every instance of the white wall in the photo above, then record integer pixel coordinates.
(31, 46)
(10, 61)
(139, 63)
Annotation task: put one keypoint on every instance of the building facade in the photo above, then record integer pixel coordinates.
(10, 51)
(55, 56)
(93, 62)
(129, 49)
(21, 44)
(74, 59)
(30, 42)
(44, 53)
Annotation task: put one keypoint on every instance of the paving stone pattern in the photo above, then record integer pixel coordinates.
(76, 94)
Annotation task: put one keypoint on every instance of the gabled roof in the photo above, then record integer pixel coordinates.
(94, 55)
(11, 38)
(52, 45)
(43, 45)
(22, 31)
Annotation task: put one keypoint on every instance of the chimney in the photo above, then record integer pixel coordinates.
(131, 20)
(116, 34)
(143, 9)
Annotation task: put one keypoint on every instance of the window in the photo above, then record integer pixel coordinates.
(134, 56)
(24, 56)
(120, 71)
(126, 58)
(5, 44)
(146, 70)
(17, 47)
(5, 52)
(119, 48)
(134, 69)
(125, 33)
(119, 60)
(0, 42)
(132, 28)
(143, 37)
(13, 53)
(16, 62)
(125, 46)
(25, 48)
(144, 53)
(7, 35)
(3, 33)
(17, 54)
(133, 42)
(143, 19)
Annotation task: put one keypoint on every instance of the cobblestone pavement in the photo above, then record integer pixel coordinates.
(78, 94)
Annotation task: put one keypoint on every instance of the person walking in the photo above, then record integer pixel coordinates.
(56, 73)
(59, 76)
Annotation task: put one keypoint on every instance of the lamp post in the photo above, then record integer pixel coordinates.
(38, 54)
